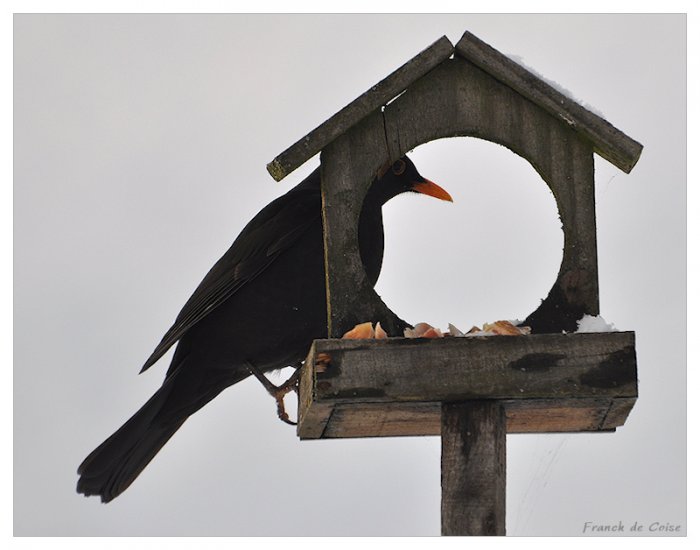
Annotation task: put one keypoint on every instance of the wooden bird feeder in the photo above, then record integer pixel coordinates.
(471, 391)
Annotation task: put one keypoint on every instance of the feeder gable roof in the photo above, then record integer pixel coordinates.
(609, 142)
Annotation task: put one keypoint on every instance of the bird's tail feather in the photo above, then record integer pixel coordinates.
(113, 466)
(116, 463)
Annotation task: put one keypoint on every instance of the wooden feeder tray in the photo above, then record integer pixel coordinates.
(581, 382)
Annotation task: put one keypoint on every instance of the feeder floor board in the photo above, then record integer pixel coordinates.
(581, 382)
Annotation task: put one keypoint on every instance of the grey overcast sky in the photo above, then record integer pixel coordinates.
(140, 145)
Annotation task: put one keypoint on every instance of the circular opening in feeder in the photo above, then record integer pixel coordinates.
(492, 254)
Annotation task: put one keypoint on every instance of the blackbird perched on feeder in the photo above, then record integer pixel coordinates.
(257, 310)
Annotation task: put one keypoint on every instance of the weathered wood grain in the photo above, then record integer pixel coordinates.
(609, 142)
(455, 369)
(545, 383)
(380, 94)
(417, 418)
(348, 167)
(618, 412)
(312, 416)
(473, 468)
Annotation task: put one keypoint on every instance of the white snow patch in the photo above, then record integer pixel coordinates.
(520, 61)
(588, 323)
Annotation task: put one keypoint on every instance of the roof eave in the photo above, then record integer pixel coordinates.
(609, 142)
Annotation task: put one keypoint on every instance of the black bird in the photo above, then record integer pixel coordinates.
(262, 303)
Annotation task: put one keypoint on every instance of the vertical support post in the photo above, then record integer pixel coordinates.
(473, 468)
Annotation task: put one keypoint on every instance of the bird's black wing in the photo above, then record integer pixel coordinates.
(275, 229)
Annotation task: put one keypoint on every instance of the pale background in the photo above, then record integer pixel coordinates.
(140, 145)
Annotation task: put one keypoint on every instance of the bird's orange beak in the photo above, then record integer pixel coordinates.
(427, 187)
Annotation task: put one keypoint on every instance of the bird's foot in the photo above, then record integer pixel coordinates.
(279, 392)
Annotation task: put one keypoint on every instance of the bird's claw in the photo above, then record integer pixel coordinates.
(279, 392)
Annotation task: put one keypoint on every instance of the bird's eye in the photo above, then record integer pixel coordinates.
(399, 167)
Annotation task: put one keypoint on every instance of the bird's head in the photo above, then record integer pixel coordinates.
(401, 177)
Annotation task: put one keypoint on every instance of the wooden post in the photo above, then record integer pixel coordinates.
(473, 468)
